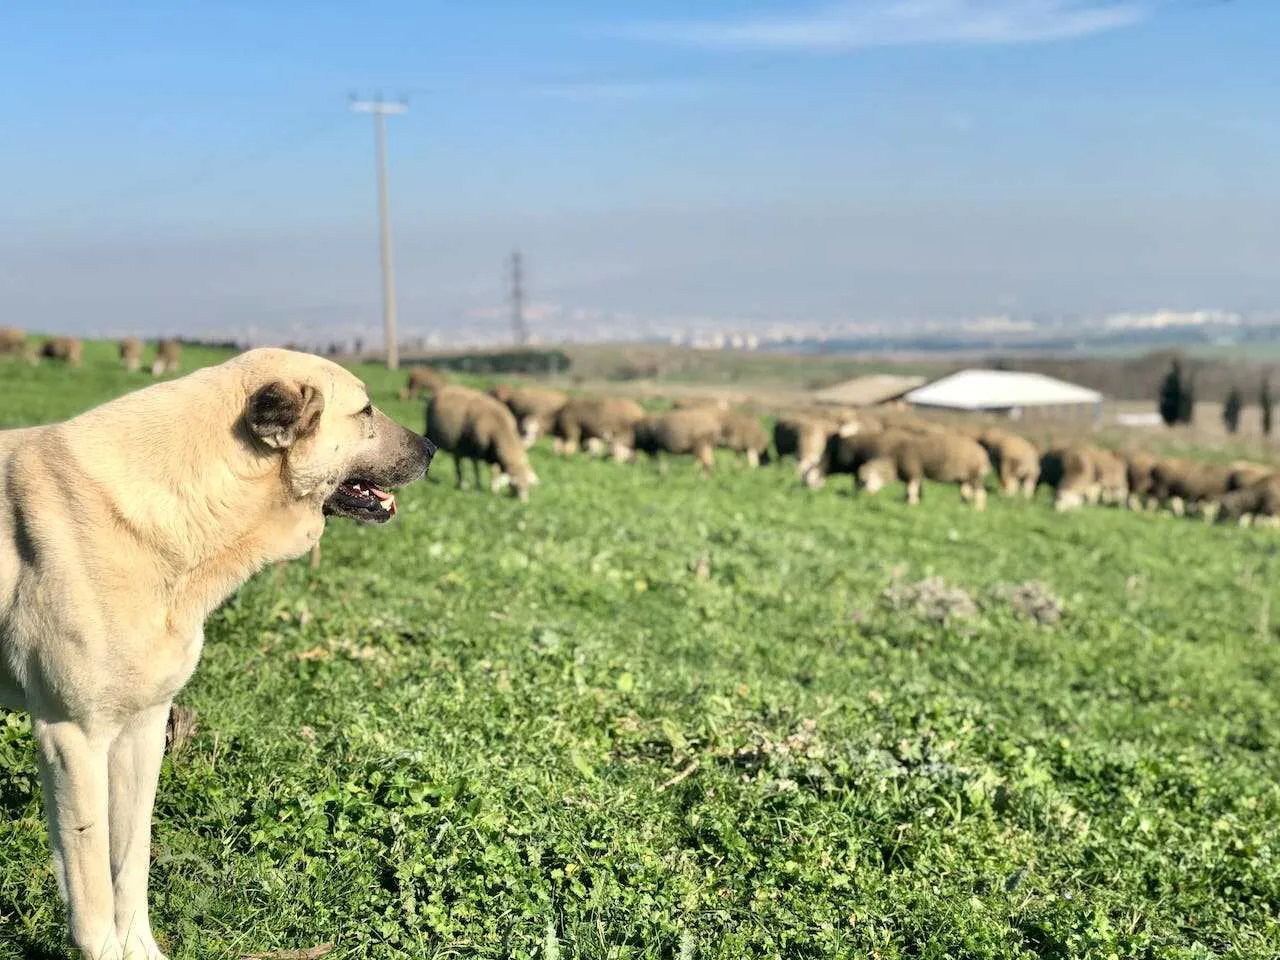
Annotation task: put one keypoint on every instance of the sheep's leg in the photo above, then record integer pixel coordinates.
(913, 491)
(980, 498)
(966, 491)
(457, 466)
(753, 458)
(475, 473)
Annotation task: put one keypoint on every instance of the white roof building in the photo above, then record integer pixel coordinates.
(1001, 390)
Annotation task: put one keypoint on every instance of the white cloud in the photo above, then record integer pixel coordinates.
(858, 24)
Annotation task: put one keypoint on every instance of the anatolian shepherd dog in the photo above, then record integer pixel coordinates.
(120, 531)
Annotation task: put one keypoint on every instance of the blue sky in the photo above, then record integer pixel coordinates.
(192, 166)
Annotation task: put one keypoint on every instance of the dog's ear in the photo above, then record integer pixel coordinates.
(281, 414)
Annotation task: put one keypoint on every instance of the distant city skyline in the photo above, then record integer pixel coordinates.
(740, 166)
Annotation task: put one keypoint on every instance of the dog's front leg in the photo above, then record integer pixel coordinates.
(134, 769)
(73, 775)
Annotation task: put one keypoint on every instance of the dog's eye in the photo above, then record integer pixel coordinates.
(367, 411)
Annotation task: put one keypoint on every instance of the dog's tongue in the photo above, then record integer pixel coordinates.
(388, 500)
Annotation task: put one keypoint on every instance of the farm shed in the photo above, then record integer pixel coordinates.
(867, 391)
(1007, 392)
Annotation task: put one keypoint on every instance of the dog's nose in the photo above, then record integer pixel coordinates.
(428, 450)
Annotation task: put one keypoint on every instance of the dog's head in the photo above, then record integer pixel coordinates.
(336, 449)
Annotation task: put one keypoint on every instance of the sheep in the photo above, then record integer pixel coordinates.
(1139, 467)
(68, 350)
(474, 426)
(1258, 503)
(1083, 473)
(601, 423)
(804, 434)
(168, 357)
(13, 342)
(743, 434)
(423, 380)
(1245, 473)
(534, 408)
(1190, 485)
(876, 458)
(1111, 473)
(131, 354)
(695, 430)
(1015, 460)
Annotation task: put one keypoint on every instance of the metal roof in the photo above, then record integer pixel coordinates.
(999, 390)
(867, 391)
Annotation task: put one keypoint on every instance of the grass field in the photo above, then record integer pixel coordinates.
(667, 717)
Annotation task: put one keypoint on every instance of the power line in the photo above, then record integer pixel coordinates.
(519, 326)
(380, 109)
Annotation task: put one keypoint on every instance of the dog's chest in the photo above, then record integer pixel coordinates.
(166, 667)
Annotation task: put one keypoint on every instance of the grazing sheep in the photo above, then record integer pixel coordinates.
(804, 434)
(534, 408)
(1015, 460)
(474, 426)
(743, 433)
(601, 423)
(168, 357)
(1139, 469)
(694, 431)
(876, 458)
(131, 354)
(1190, 485)
(13, 342)
(1083, 473)
(1256, 504)
(1111, 473)
(68, 350)
(423, 380)
(1245, 473)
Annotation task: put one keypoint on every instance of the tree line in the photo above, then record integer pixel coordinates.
(1177, 401)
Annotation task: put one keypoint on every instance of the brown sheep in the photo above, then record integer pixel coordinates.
(168, 357)
(1083, 473)
(534, 408)
(1190, 485)
(743, 433)
(13, 342)
(423, 380)
(1139, 467)
(876, 458)
(1244, 474)
(474, 426)
(68, 350)
(601, 423)
(1112, 475)
(804, 434)
(694, 431)
(131, 354)
(1258, 503)
(1015, 460)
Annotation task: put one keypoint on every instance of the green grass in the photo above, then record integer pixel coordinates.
(648, 717)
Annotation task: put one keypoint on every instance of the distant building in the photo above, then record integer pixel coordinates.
(867, 391)
(1007, 392)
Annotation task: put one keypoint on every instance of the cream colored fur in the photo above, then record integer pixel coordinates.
(120, 531)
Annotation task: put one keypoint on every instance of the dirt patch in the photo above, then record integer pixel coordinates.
(1031, 601)
(932, 598)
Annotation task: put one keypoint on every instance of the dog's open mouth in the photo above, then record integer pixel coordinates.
(361, 500)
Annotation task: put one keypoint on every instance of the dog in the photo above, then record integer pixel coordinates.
(120, 531)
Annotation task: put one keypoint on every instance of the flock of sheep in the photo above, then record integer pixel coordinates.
(497, 427)
(70, 350)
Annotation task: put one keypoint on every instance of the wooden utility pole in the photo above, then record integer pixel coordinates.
(380, 109)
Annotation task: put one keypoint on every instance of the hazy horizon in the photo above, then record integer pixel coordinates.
(192, 167)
